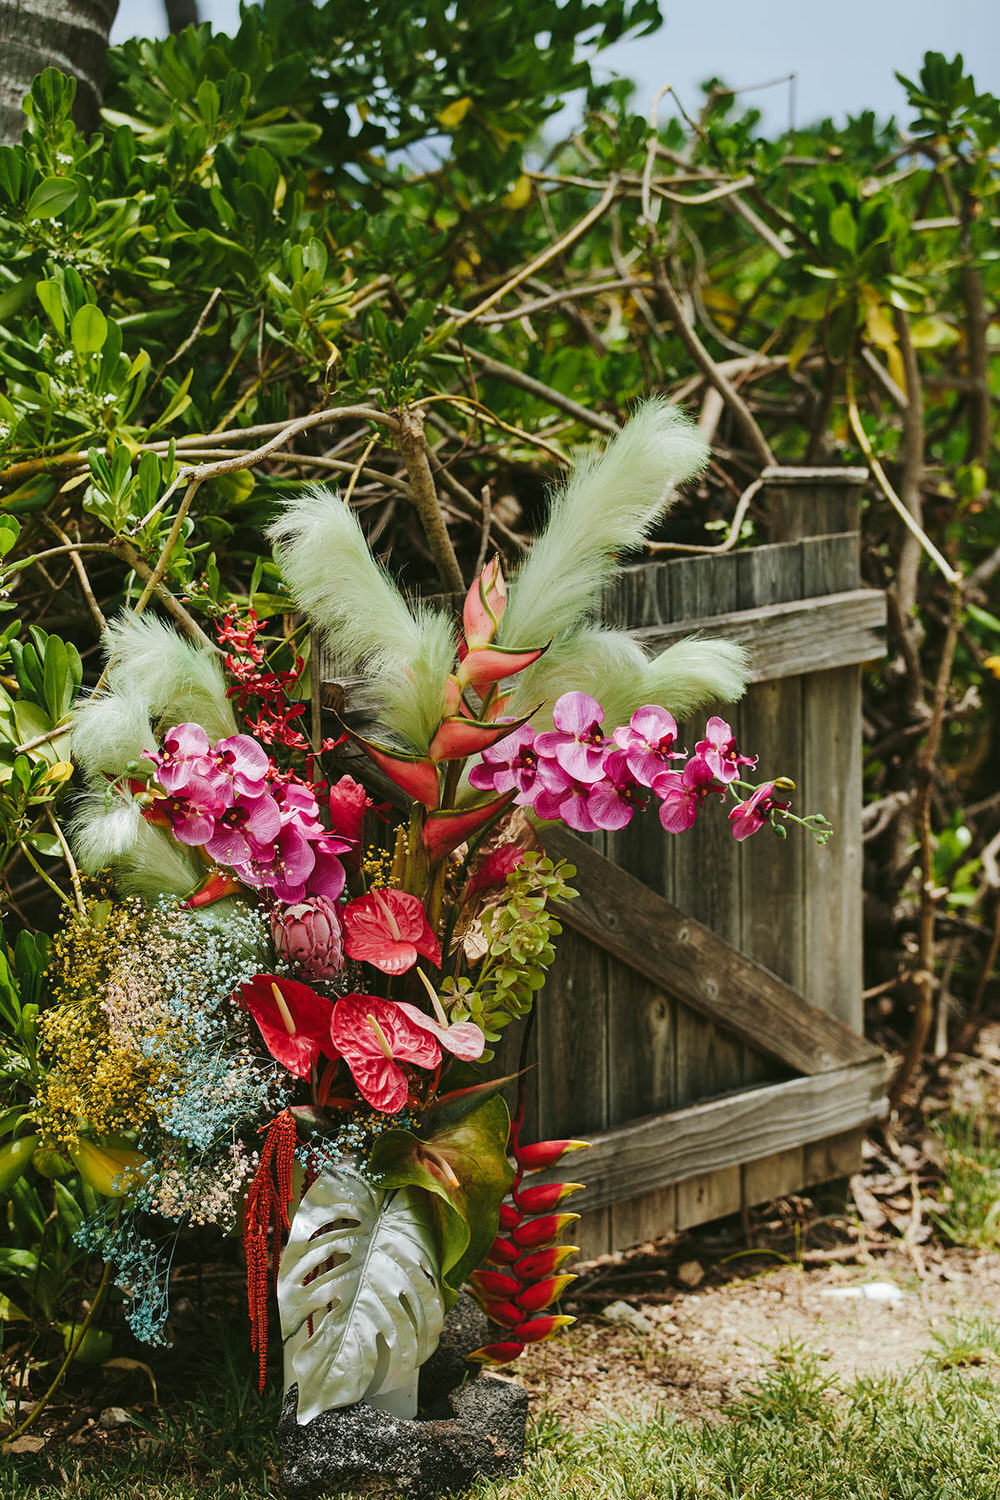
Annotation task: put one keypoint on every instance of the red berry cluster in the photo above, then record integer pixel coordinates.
(525, 1254)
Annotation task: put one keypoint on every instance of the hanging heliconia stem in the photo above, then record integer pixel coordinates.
(266, 1205)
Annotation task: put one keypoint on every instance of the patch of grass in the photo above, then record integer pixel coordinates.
(970, 1180)
(796, 1433)
(968, 1339)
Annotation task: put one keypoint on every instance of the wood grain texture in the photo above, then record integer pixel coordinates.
(669, 947)
(748, 1126)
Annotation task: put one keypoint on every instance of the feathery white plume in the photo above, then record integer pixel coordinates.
(109, 732)
(102, 829)
(608, 506)
(407, 651)
(694, 673)
(178, 680)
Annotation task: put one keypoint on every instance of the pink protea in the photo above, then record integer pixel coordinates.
(308, 936)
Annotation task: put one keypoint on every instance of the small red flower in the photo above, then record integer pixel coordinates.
(293, 1020)
(389, 929)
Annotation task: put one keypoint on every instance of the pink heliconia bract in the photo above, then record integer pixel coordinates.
(648, 740)
(682, 793)
(484, 665)
(720, 751)
(484, 605)
(308, 936)
(577, 743)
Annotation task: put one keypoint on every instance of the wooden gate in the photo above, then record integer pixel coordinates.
(702, 1023)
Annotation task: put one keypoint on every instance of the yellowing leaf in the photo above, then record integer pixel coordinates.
(933, 333)
(519, 195)
(881, 329)
(453, 114)
(799, 349)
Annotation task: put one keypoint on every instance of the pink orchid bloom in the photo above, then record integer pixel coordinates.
(561, 796)
(510, 765)
(462, 1039)
(614, 800)
(389, 929)
(682, 793)
(292, 1019)
(186, 753)
(242, 764)
(720, 751)
(578, 742)
(648, 740)
(245, 831)
(193, 809)
(375, 1037)
(750, 816)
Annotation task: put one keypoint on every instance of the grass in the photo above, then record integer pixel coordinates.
(970, 1180)
(795, 1434)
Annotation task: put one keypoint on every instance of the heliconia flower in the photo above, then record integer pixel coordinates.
(444, 829)
(242, 764)
(483, 665)
(460, 736)
(374, 1037)
(543, 1327)
(217, 885)
(497, 1354)
(543, 1197)
(682, 793)
(648, 740)
(749, 817)
(511, 765)
(532, 1232)
(389, 929)
(245, 830)
(618, 795)
(538, 1155)
(502, 1311)
(185, 753)
(544, 1262)
(308, 936)
(415, 774)
(577, 743)
(484, 605)
(463, 1039)
(720, 751)
(293, 1020)
(495, 1283)
(540, 1294)
(193, 811)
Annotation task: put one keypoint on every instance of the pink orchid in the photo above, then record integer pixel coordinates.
(192, 810)
(242, 764)
(682, 793)
(578, 742)
(389, 929)
(245, 831)
(510, 765)
(185, 753)
(618, 796)
(561, 796)
(648, 740)
(375, 1037)
(750, 816)
(720, 751)
(309, 936)
(463, 1039)
(293, 1020)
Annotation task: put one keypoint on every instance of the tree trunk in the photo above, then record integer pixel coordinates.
(181, 13)
(71, 35)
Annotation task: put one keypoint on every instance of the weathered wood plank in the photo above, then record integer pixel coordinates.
(671, 948)
(808, 502)
(739, 1128)
(787, 639)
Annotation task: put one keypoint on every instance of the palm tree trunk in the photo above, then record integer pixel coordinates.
(68, 34)
(181, 13)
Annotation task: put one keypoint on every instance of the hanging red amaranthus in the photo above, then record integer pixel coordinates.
(267, 1204)
(525, 1253)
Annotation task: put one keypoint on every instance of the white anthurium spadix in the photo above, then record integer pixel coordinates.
(359, 1295)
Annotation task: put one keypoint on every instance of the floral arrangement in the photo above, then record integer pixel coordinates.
(278, 1016)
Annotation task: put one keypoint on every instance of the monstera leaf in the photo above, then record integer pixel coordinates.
(358, 1291)
(463, 1165)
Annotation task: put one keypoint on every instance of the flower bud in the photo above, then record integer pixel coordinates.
(308, 936)
(544, 1196)
(544, 1262)
(536, 1329)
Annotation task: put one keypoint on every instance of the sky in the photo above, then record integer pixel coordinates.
(843, 55)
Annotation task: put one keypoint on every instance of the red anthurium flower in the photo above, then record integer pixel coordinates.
(293, 1020)
(389, 929)
(462, 1039)
(374, 1037)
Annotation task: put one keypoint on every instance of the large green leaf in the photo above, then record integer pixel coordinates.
(464, 1167)
(358, 1292)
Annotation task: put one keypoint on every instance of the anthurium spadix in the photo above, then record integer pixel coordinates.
(484, 605)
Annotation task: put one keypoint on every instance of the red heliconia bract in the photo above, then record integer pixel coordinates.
(482, 666)
(444, 830)
(541, 1154)
(485, 604)
(532, 1232)
(545, 1196)
(541, 1293)
(414, 774)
